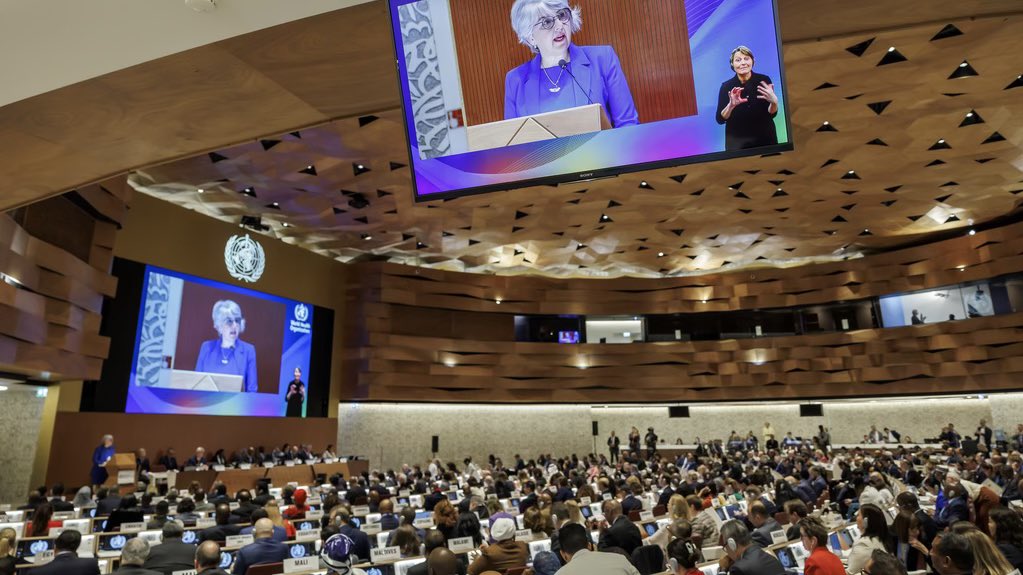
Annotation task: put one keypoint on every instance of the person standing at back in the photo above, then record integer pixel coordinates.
(613, 445)
(580, 558)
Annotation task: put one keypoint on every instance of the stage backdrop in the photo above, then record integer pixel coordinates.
(650, 37)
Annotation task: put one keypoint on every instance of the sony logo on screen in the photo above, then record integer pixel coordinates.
(301, 322)
(244, 258)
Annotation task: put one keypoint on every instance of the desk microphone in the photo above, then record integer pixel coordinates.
(564, 66)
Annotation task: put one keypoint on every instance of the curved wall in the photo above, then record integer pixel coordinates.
(428, 335)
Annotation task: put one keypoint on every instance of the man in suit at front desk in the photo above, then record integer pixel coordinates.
(66, 560)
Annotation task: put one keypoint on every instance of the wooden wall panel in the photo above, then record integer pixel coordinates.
(388, 360)
(50, 312)
(987, 254)
(649, 36)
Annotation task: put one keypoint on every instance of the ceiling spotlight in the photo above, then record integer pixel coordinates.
(969, 114)
(367, 237)
(360, 166)
(826, 122)
(309, 167)
(287, 225)
(703, 301)
(866, 230)
(891, 48)
(497, 301)
(275, 204)
(973, 232)
(961, 268)
(200, 190)
(660, 254)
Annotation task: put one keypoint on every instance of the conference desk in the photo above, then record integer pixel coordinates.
(884, 446)
(279, 475)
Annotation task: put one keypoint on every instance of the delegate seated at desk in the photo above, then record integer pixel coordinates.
(543, 84)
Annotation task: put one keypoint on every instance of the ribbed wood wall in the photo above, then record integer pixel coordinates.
(649, 37)
(401, 348)
(50, 322)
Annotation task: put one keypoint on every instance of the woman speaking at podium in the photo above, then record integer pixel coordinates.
(563, 75)
(228, 354)
(100, 456)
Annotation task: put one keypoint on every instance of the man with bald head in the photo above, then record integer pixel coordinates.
(207, 559)
(617, 530)
(442, 562)
(262, 550)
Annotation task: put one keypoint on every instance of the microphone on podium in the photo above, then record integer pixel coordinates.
(564, 66)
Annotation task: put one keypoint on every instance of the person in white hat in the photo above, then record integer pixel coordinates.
(504, 554)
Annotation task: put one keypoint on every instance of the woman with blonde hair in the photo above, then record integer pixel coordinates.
(273, 513)
(988, 559)
(678, 508)
(575, 513)
(8, 537)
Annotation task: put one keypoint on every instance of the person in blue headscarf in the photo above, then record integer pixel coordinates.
(100, 456)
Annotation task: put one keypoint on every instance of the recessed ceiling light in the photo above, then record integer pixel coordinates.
(851, 171)
(866, 230)
(287, 225)
(961, 268)
(703, 301)
(941, 141)
(275, 204)
(497, 301)
(309, 167)
(891, 48)
(200, 190)
(964, 64)
(660, 254)
(367, 237)
(973, 232)
(360, 166)
(826, 122)
(969, 114)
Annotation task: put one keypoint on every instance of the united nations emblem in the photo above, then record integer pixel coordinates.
(301, 312)
(244, 258)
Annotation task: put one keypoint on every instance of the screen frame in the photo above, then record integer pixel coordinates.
(119, 322)
(578, 177)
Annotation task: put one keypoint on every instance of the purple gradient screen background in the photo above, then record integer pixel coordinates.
(715, 28)
(295, 351)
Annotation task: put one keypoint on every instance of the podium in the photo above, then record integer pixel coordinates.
(538, 127)
(121, 473)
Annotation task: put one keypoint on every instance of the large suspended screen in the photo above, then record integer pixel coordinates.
(506, 93)
(203, 347)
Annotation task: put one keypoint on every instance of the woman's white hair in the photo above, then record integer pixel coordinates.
(526, 13)
(230, 308)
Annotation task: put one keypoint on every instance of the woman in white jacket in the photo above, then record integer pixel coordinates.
(874, 535)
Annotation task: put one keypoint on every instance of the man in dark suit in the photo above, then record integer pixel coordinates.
(529, 498)
(207, 559)
(433, 540)
(262, 550)
(169, 460)
(619, 532)
(106, 502)
(983, 433)
(633, 502)
(742, 557)
(245, 507)
(133, 556)
(171, 555)
(66, 560)
(763, 524)
(57, 502)
(223, 528)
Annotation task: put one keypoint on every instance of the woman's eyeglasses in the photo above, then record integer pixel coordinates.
(231, 321)
(547, 22)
